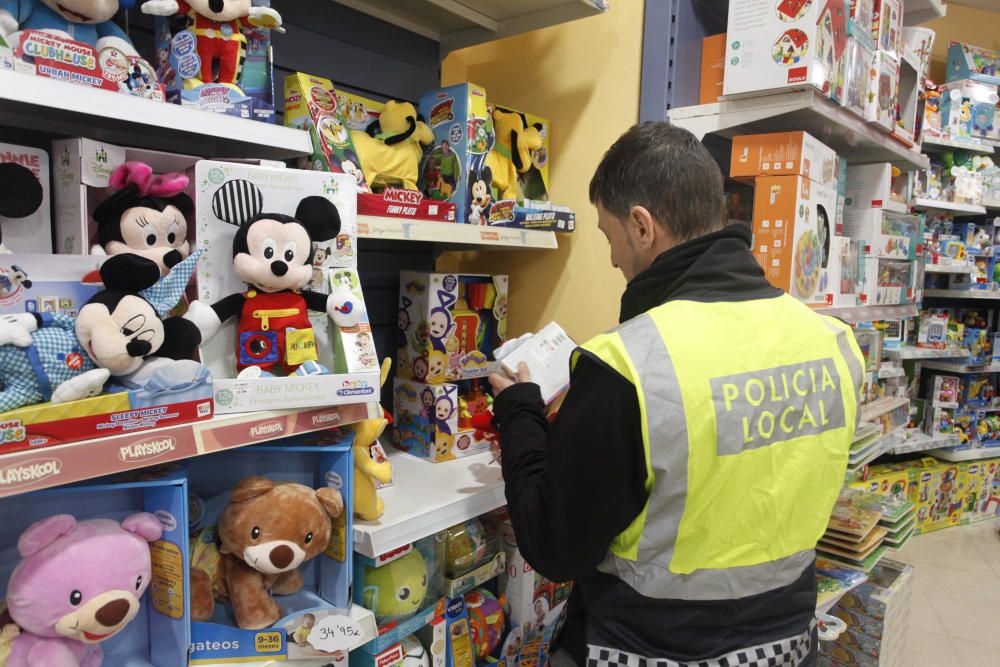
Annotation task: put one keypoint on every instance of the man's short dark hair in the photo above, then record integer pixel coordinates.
(666, 170)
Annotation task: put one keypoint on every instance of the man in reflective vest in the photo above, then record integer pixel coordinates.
(695, 461)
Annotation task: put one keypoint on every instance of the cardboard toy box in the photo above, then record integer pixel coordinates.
(42, 53)
(966, 61)
(887, 235)
(427, 422)
(968, 110)
(82, 171)
(870, 186)
(883, 91)
(179, 63)
(713, 68)
(981, 490)
(175, 394)
(449, 325)
(887, 479)
(33, 233)
(314, 105)
(783, 154)
(794, 223)
(315, 460)
(159, 636)
(454, 169)
(231, 190)
(887, 27)
(775, 44)
(859, 61)
(934, 487)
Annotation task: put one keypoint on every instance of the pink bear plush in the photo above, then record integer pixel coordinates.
(78, 583)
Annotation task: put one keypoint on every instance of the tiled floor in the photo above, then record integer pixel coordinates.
(955, 615)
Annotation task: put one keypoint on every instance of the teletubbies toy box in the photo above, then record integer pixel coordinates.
(280, 307)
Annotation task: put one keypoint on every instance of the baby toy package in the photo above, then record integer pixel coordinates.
(27, 233)
(280, 306)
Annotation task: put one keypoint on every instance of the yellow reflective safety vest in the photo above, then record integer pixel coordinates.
(748, 410)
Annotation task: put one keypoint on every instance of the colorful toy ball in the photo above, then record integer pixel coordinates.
(487, 620)
(465, 548)
(414, 653)
(397, 589)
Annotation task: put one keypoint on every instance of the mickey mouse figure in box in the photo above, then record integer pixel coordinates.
(218, 28)
(272, 254)
(87, 21)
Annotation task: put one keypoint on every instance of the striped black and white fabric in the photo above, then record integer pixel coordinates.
(237, 201)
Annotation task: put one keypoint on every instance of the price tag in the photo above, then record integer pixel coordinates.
(336, 633)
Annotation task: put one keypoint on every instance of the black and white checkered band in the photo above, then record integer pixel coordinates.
(785, 653)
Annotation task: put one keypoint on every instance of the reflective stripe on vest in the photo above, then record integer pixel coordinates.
(746, 430)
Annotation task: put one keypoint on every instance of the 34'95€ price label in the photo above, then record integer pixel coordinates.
(336, 633)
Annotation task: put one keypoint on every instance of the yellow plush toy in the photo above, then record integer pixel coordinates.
(368, 470)
(511, 152)
(391, 148)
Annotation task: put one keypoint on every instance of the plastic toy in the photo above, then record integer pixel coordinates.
(87, 21)
(392, 146)
(265, 533)
(396, 589)
(414, 653)
(58, 358)
(21, 193)
(218, 30)
(466, 548)
(78, 584)
(272, 254)
(511, 154)
(146, 216)
(369, 464)
(487, 620)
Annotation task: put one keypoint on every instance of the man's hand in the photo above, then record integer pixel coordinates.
(499, 382)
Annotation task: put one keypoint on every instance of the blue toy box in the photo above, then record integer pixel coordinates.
(317, 459)
(966, 61)
(159, 636)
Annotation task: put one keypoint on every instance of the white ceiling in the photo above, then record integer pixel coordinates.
(991, 5)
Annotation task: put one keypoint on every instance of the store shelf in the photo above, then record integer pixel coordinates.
(913, 352)
(876, 409)
(46, 467)
(916, 12)
(57, 107)
(918, 441)
(400, 229)
(888, 373)
(427, 497)
(856, 314)
(460, 23)
(949, 268)
(941, 145)
(935, 205)
(960, 368)
(855, 140)
(962, 294)
(966, 454)
(991, 204)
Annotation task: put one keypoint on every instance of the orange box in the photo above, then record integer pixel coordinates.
(784, 154)
(713, 67)
(794, 220)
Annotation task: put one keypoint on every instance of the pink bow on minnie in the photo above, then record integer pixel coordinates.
(142, 177)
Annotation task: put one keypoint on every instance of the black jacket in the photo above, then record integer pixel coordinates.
(574, 485)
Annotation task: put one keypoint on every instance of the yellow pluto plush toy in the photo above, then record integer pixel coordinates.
(368, 470)
(511, 153)
(391, 148)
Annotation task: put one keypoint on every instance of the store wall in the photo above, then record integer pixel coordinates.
(962, 24)
(584, 77)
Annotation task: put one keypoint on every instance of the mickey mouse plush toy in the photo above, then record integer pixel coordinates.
(272, 254)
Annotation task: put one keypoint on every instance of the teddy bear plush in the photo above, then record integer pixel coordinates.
(78, 584)
(265, 533)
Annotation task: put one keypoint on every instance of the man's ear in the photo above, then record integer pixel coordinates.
(645, 230)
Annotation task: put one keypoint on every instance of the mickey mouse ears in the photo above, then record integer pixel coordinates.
(237, 201)
(21, 193)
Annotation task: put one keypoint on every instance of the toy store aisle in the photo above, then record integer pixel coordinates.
(956, 596)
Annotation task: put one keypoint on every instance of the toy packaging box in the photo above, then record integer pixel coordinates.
(981, 490)
(449, 325)
(45, 54)
(934, 487)
(226, 191)
(329, 116)
(315, 460)
(776, 44)
(968, 110)
(889, 282)
(883, 91)
(179, 63)
(784, 154)
(457, 167)
(82, 170)
(966, 61)
(945, 391)
(847, 268)
(859, 61)
(173, 394)
(870, 186)
(160, 634)
(887, 28)
(713, 68)
(910, 81)
(794, 223)
(31, 234)
(428, 420)
(887, 235)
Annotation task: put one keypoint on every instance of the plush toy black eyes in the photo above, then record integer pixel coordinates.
(171, 237)
(268, 253)
(404, 593)
(255, 533)
(75, 598)
(289, 255)
(138, 582)
(309, 538)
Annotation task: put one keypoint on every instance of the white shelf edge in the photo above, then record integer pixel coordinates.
(960, 368)
(922, 11)
(977, 454)
(453, 233)
(882, 406)
(982, 149)
(856, 314)
(933, 204)
(949, 268)
(911, 352)
(962, 294)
